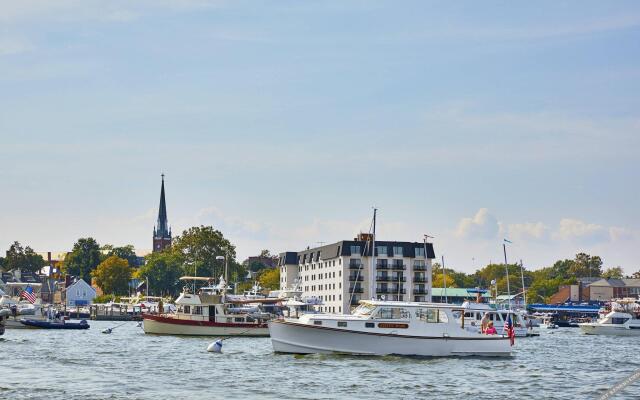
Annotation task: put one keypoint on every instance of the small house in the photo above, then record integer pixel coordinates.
(79, 293)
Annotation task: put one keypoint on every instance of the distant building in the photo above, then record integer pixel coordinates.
(341, 274)
(457, 295)
(600, 290)
(79, 293)
(162, 231)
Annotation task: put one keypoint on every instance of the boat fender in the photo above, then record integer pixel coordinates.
(108, 330)
(215, 347)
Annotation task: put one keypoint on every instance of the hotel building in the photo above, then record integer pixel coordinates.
(341, 275)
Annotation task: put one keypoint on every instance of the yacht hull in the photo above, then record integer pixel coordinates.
(299, 338)
(161, 325)
(612, 330)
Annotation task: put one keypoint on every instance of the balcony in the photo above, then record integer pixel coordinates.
(382, 266)
(398, 266)
(390, 290)
(420, 291)
(420, 279)
(355, 265)
(357, 278)
(390, 278)
(417, 267)
(356, 289)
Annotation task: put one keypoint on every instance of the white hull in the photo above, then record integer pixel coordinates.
(166, 328)
(608, 329)
(289, 337)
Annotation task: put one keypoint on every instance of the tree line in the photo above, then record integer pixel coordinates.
(194, 252)
(540, 284)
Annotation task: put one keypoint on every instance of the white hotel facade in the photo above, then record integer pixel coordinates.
(341, 275)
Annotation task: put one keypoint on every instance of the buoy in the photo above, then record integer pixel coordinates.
(108, 330)
(215, 347)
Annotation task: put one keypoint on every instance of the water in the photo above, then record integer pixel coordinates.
(560, 364)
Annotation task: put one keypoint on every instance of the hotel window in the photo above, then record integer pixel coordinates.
(419, 251)
(382, 250)
(397, 251)
(355, 250)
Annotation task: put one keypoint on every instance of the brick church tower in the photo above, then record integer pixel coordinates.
(162, 231)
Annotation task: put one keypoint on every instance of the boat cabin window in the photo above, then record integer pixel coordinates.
(363, 309)
(392, 313)
(618, 320)
(431, 315)
(197, 310)
(342, 324)
(317, 322)
(187, 309)
(369, 325)
(238, 319)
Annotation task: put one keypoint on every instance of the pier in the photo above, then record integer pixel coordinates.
(114, 312)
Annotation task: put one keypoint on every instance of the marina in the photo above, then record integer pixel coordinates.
(58, 362)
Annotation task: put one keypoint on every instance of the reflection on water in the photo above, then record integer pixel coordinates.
(128, 364)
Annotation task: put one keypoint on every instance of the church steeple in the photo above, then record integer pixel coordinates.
(162, 231)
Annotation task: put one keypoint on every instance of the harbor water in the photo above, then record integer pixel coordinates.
(127, 364)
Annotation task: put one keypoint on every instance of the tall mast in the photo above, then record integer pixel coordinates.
(444, 280)
(506, 267)
(524, 293)
(372, 275)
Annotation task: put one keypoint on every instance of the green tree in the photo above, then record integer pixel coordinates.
(83, 258)
(199, 246)
(23, 258)
(163, 270)
(615, 273)
(127, 252)
(270, 279)
(113, 275)
(586, 266)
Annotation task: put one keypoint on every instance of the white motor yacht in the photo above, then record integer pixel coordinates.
(622, 320)
(386, 327)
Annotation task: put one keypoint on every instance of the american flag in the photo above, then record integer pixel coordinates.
(27, 294)
(509, 329)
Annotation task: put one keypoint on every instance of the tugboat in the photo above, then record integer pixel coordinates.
(208, 312)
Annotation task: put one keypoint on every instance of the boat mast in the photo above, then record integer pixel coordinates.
(372, 275)
(506, 267)
(524, 293)
(444, 281)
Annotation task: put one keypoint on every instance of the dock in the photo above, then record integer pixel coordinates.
(105, 312)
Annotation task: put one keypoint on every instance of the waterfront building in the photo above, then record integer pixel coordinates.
(341, 274)
(599, 290)
(457, 295)
(162, 230)
(79, 293)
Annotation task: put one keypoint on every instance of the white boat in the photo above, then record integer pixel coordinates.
(475, 312)
(622, 320)
(206, 312)
(386, 327)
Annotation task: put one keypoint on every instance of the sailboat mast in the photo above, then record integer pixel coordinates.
(506, 267)
(372, 275)
(524, 293)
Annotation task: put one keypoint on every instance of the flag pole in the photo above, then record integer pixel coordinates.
(506, 267)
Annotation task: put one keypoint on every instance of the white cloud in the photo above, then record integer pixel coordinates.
(575, 229)
(483, 225)
(528, 231)
(618, 234)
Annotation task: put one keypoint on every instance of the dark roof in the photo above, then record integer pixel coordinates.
(343, 248)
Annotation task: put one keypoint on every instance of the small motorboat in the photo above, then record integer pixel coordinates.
(56, 324)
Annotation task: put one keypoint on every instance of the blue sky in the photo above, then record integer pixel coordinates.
(283, 123)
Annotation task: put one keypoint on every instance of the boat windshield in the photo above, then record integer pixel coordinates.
(364, 309)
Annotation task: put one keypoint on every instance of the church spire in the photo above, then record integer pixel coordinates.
(162, 232)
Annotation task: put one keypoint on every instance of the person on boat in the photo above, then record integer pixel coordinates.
(484, 323)
(491, 330)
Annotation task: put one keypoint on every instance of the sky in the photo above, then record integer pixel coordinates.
(283, 123)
